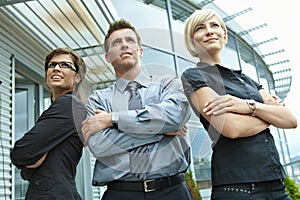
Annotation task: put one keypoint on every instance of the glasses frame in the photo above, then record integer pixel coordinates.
(70, 65)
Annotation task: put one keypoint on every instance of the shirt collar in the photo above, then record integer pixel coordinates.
(142, 79)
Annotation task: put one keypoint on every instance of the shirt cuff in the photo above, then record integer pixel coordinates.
(115, 119)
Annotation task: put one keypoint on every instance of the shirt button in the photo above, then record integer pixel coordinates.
(38, 182)
(266, 140)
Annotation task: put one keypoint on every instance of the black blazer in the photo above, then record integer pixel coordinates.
(55, 132)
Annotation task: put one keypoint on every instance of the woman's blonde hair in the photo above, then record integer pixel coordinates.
(198, 17)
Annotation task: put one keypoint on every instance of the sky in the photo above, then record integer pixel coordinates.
(282, 22)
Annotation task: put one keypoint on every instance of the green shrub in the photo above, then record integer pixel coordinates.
(192, 185)
(291, 188)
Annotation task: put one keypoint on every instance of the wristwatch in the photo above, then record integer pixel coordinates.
(252, 106)
(115, 119)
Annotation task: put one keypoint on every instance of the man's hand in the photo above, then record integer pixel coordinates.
(180, 133)
(100, 121)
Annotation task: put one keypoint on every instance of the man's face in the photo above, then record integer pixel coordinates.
(124, 52)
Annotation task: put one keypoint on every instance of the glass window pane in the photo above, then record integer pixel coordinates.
(247, 61)
(201, 153)
(22, 126)
(229, 54)
(153, 25)
(184, 65)
(158, 62)
(230, 58)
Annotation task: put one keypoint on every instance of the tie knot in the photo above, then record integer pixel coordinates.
(133, 86)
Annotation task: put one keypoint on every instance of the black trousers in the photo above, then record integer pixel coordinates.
(269, 190)
(177, 192)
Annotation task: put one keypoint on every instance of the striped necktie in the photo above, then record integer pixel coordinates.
(139, 157)
(135, 101)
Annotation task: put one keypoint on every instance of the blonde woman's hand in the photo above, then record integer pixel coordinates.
(273, 100)
(226, 103)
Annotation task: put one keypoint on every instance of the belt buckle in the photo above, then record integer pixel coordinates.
(146, 186)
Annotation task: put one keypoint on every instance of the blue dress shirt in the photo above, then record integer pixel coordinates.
(165, 109)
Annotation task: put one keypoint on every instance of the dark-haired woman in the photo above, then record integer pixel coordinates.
(48, 154)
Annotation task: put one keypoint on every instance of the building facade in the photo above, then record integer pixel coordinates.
(30, 29)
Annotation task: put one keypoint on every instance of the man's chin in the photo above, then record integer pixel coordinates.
(124, 63)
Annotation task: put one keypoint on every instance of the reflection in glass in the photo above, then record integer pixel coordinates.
(157, 62)
(21, 119)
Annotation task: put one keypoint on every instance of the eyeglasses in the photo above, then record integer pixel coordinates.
(62, 65)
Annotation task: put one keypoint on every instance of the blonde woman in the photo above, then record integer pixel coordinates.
(236, 112)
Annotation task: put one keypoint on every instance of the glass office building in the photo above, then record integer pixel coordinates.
(30, 29)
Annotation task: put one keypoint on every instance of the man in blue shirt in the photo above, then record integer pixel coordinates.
(155, 131)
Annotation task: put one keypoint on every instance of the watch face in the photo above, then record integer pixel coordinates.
(252, 106)
(251, 101)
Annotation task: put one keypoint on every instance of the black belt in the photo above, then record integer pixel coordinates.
(147, 185)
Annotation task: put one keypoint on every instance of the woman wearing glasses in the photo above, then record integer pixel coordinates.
(48, 154)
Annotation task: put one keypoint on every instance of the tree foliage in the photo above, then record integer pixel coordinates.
(292, 188)
(192, 185)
